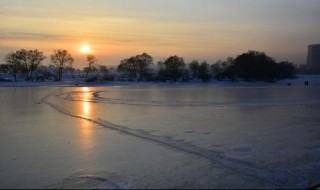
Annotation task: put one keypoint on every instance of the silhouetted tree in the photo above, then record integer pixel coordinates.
(29, 61)
(136, 66)
(61, 60)
(194, 68)
(285, 69)
(217, 69)
(143, 62)
(22, 56)
(200, 71)
(172, 68)
(223, 69)
(254, 65)
(35, 60)
(13, 64)
(4, 68)
(71, 69)
(128, 67)
(204, 71)
(91, 59)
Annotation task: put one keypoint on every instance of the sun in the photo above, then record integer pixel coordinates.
(85, 48)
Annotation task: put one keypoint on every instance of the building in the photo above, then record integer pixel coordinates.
(313, 59)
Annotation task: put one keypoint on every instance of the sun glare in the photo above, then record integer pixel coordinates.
(85, 89)
(85, 48)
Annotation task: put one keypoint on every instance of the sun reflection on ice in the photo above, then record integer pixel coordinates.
(85, 89)
(86, 126)
(86, 108)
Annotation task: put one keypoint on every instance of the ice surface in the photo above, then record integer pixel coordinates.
(160, 136)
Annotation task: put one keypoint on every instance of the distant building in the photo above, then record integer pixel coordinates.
(313, 59)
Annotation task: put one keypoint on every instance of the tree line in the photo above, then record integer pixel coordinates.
(27, 63)
(250, 66)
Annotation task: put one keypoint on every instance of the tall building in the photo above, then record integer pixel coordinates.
(313, 60)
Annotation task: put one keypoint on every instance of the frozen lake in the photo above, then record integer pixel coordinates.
(160, 136)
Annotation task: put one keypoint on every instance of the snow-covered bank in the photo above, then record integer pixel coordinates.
(299, 80)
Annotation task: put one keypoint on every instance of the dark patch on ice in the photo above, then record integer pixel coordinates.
(190, 131)
(206, 133)
(242, 149)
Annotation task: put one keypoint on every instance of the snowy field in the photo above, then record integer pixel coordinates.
(124, 135)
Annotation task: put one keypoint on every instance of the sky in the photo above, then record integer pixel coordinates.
(193, 29)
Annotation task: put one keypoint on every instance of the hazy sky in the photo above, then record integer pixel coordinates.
(194, 29)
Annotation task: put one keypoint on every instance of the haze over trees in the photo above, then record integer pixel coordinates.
(250, 66)
(200, 71)
(223, 69)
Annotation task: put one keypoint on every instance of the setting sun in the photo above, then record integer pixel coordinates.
(85, 49)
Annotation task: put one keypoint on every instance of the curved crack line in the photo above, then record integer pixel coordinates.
(249, 170)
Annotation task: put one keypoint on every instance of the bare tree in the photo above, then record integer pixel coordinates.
(91, 61)
(61, 60)
(13, 64)
(35, 58)
(71, 69)
(29, 60)
(25, 60)
(22, 56)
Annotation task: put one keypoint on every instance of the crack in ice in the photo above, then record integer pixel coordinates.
(276, 179)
